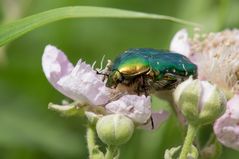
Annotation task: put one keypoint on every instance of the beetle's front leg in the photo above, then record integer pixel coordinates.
(106, 71)
(143, 86)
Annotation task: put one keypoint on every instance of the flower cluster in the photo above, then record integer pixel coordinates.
(217, 58)
(216, 55)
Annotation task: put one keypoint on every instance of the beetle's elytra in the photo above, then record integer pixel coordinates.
(146, 70)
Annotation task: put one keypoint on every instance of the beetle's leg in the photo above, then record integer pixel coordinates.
(145, 88)
(105, 75)
(172, 80)
(142, 88)
(139, 87)
(152, 122)
(115, 86)
(116, 97)
(148, 79)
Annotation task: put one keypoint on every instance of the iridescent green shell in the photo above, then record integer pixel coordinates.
(160, 68)
(158, 60)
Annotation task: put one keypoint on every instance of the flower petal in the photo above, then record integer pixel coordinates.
(138, 108)
(226, 127)
(80, 83)
(157, 118)
(83, 84)
(55, 65)
(180, 43)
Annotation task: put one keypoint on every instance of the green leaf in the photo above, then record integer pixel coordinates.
(18, 28)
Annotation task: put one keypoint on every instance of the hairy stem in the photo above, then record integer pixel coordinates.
(90, 138)
(111, 152)
(191, 132)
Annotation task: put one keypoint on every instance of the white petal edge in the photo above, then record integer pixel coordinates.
(180, 43)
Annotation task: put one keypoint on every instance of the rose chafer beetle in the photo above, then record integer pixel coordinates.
(145, 70)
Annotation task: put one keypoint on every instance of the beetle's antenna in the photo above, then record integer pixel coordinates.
(106, 70)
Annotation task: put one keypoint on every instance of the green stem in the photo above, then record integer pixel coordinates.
(90, 138)
(188, 141)
(111, 152)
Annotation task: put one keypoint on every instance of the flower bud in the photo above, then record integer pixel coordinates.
(199, 101)
(114, 129)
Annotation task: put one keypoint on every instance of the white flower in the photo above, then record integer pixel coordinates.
(226, 127)
(82, 84)
(215, 54)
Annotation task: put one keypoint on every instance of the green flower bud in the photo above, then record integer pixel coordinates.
(199, 101)
(114, 129)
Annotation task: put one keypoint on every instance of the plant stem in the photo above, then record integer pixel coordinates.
(90, 138)
(191, 132)
(111, 151)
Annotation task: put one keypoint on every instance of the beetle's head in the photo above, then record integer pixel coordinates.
(114, 79)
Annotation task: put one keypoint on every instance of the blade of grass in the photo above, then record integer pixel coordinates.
(11, 31)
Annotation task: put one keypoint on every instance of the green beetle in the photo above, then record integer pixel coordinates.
(145, 70)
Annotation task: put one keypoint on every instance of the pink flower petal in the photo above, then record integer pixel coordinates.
(157, 119)
(138, 108)
(80, 83)
(83, 84)
(55, 65)
(180, 43)
(226, 127)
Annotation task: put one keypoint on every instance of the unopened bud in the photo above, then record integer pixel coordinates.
(115, 129)
(199, 101)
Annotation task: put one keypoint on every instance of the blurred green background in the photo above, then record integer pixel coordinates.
(28, 130)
